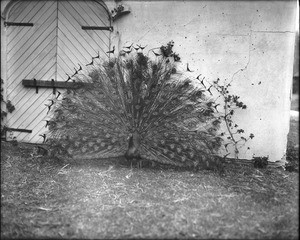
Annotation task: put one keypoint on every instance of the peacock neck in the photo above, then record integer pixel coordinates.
(136, 139)
(133, 146)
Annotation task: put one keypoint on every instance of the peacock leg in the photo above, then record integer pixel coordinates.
(139, 163)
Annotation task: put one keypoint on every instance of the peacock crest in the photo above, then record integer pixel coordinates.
(140, 108)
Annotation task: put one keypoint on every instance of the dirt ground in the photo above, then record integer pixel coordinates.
(43, 198)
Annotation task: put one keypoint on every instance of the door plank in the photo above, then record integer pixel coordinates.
(64, 66)
(29, 100)
(79, 54)
(22, 16)
(68, 53)
(40, 112)
(40, 54)
(73, 30)
(87, 19)
(19, 54)
(15, 33)
(99, 37)
(38, 73)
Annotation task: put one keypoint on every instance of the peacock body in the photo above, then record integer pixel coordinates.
(138, 108)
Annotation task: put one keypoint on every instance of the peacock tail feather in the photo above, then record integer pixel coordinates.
(137, 107)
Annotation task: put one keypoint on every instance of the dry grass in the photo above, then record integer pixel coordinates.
(293, 143)
(295, 102)
(106, 199)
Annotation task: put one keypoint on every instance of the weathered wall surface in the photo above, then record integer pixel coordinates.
(250, 43)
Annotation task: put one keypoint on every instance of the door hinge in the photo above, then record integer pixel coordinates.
(18, 130)
(18, 24)
(97, 28)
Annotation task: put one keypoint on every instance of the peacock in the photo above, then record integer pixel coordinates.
(138, 107)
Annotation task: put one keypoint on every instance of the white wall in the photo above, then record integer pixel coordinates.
(244, 41)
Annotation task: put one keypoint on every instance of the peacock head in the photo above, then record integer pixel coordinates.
(129, 136)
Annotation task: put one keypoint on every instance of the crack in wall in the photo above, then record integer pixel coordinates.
(249, 51)
(150, 29)
(273, 31)
(249, 55)
(232, 35)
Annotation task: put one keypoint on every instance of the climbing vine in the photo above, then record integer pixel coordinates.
(234, 134)
(167, 51)
(118, 11)
(9, 107)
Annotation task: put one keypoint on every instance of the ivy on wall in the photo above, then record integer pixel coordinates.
(9, 109)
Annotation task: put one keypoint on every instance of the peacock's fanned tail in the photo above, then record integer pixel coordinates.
(172, 120)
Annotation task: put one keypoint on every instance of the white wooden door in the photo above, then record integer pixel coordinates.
(54, 46)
